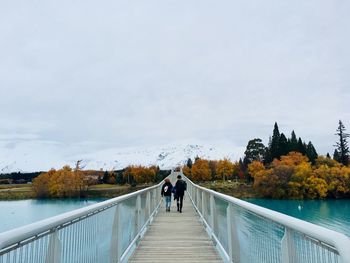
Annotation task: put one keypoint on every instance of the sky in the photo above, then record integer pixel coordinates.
(83, 76)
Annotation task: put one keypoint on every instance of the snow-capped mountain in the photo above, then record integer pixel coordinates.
(28, 157)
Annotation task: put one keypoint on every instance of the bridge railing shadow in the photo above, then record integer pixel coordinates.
(244, 232)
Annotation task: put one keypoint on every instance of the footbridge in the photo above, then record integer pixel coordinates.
(135, 228)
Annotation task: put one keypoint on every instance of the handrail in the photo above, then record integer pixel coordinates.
(11, 237)
(332, 238)
(12, 240)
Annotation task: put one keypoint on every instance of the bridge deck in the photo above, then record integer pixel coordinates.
(175, 237)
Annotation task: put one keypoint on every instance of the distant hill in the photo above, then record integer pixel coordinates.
(167, 156)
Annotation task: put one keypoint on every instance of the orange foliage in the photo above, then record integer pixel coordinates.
(200, 170)
(224, 169)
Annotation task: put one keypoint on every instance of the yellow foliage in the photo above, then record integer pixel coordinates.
(291, 159)
(60, 183)
(140, 174)
(316, 188)
(186, 171)
(255, 167)
(224, 168)
(200, 170)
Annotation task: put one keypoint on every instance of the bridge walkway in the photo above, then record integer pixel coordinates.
(176, 237)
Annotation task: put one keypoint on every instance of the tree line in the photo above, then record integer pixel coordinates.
(286, 168)
(67, 182)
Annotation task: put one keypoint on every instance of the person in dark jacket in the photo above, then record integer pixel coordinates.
(180, 192)
(166, 193)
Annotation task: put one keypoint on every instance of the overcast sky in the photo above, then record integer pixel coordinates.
(90, 75)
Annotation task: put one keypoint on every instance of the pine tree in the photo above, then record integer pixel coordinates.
(342, 145)
(301, 146)
(328, 156)
(293, 143)
(274, 148)
(311, 152)
(105, 177)
(336, 155)
(189, 163)
(283, 147)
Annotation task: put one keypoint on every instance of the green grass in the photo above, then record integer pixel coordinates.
(25, 191)
(237, 189)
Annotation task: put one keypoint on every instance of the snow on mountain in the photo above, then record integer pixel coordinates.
(24, 158)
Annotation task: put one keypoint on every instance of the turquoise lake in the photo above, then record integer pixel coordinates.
(333, 214)
(19, 213)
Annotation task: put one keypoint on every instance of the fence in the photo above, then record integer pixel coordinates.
(105, 232)
(246, 233)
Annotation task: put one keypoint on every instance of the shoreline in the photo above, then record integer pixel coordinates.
(25, 191)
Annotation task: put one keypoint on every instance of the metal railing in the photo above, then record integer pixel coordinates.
(105, 232)
(247, 233)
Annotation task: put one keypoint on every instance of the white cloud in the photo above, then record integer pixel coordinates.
(131, 73)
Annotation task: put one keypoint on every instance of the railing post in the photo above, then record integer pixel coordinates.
(148, 204)
(154, 201)
(204, 206)
(115, 249)
(54, 249)
(232, 238)
(197, 199)
(288, 249)
(212, 212)
(138, 213)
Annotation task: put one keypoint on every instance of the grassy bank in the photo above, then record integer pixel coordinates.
(235, 189)
(25, 191)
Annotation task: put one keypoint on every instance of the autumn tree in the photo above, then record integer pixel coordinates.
(61, 183)
(200, 170)
(224, 169)
(213, 166)
(342, 146)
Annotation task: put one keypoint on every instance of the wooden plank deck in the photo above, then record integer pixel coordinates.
(176, 237)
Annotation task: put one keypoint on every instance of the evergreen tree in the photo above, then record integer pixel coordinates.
(336, 155)
(267, 156)
(328, 156)
(255, 150)
(301, 146)
(105, 177)
(293, 143)
(311, 152)
(196, 159)
(342, 145)
(283, 147)
(189, 163)
(274, 148)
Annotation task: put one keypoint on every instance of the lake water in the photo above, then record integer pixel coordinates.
(332, 214)
(19, 213)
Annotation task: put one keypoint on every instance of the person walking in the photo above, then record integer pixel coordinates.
(180, 187)
(166, 193)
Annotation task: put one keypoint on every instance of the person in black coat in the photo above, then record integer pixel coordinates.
(180, 187)
(166, 193)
